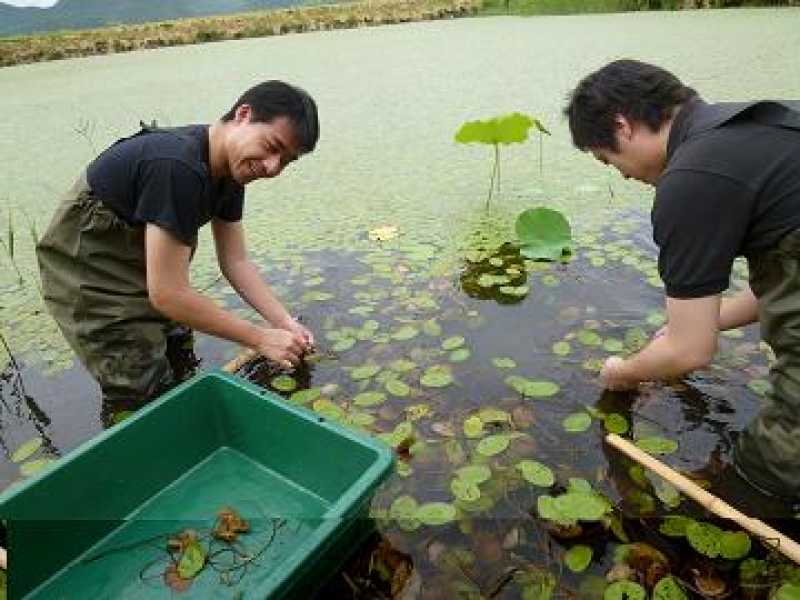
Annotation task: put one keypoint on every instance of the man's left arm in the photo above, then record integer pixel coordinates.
(245, 278)
(689, 343)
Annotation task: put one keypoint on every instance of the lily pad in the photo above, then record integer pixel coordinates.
(452, 343)
(616, 423)
(657, 445)
(504, 363)
(397, 388)
(544, 233)
(589, 338)
(561, 348)
(577, 422)
(705, 538)
(578, 558)
(476, 474)
(532, 388)
(516, 291)
(734, 545)
(437, 376)
(493, 444)
(432, 328)
(460, 355)
(305, 396)
(464, 490)
(436, 513)
(473, 427)
(668, 588)
(343, 344)
(364, 372)
(284, 383)
(34, 466)
(624, 590)
(536, 473)
(369, 399)
(406, 332)
(26, 450)
(613, 345)
(675, 525)
(401, 365)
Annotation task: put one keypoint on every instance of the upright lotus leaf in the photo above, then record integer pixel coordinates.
(505, 129)
(668, 588)
(436, 513)
(578, 558)
(26, 450)
(734, 545)
(624, 590)
(705, 538)
(536, 473)
(544, 233)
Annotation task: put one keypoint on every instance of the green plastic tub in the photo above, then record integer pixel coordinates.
(96, 523)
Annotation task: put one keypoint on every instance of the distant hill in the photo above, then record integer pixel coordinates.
(84, 14)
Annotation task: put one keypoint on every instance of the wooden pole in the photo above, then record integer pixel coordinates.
(769, 536)
(237, 363)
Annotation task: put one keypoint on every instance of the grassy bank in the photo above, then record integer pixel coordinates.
(107, 40)
(567, 7)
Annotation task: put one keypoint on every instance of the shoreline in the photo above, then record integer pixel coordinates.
(197, 30)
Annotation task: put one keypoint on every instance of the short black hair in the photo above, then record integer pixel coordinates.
(272, 99)
(639, 91)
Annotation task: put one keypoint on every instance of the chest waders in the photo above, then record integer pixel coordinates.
(94, 283)
(768, 450)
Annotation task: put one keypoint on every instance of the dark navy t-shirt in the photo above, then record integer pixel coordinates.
(161, 176)
(731, 190)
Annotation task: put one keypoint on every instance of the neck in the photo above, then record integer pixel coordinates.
(217, 156)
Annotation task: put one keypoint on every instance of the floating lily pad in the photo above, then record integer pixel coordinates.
(504, 363)
(437, 376)
(613, 345)
(34, 466)
(532, 388)
(668, 588)
(305, 396)
(675, 525)
(369, 399)
(436, 513)
(401, 365)
(624, 590)
(577, 422)
(589, 338)
(578, 558)
(657, 445)
(365, 372)
(734, 545)
(418, 411)
(516, 291)
(26, 450)
(464, 490)
(493, 444)
(452, 343)
(616, 423)
(397, 388)
(460, 355)
(788, 591)
(496, 261)
(432, 328)
(343, 344)
(284, 383)
(493, 415)
(406, 332)
(705, 538)
(473, 427)
(475, 474)
(562, 348)
(536, 473)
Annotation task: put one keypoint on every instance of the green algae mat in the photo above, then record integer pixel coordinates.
(218, 487)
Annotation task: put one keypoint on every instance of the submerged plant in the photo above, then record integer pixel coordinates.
(505, 129)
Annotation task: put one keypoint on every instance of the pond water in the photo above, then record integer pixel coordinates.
(390, 316)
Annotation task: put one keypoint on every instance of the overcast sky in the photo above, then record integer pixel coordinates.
(41, 3)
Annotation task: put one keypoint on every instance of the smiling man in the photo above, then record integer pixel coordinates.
(727, 184)
(114, 261)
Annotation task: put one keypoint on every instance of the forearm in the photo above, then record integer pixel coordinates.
(662, 358)
(738, 310)
(248, 283)
(194, 310)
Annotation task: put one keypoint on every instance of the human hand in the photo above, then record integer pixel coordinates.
(612, 375)
(284, 347)
(296, 327)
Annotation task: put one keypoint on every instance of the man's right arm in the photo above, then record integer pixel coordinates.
(171, 294)
(738, 310)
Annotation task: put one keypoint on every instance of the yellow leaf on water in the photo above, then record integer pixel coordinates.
(383, 233)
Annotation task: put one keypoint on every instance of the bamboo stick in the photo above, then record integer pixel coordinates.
(3, 559)
(769, 536)
(241, 360)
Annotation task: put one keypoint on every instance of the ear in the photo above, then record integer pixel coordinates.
(243, 113)
(623, 127)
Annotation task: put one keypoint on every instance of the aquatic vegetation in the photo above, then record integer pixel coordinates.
(543, 233)
(505, 129)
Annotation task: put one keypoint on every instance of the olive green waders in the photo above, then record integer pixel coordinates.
(768, 451)
(93, 271)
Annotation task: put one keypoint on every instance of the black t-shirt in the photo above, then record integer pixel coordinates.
(162, 176)
(728, 190)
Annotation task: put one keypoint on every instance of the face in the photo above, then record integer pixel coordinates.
(640, 153)
(259, 150)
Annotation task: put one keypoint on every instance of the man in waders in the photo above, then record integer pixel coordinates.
(115, 259)
(727, 180)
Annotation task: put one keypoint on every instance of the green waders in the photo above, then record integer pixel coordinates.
(93, 271)
(768, 451)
